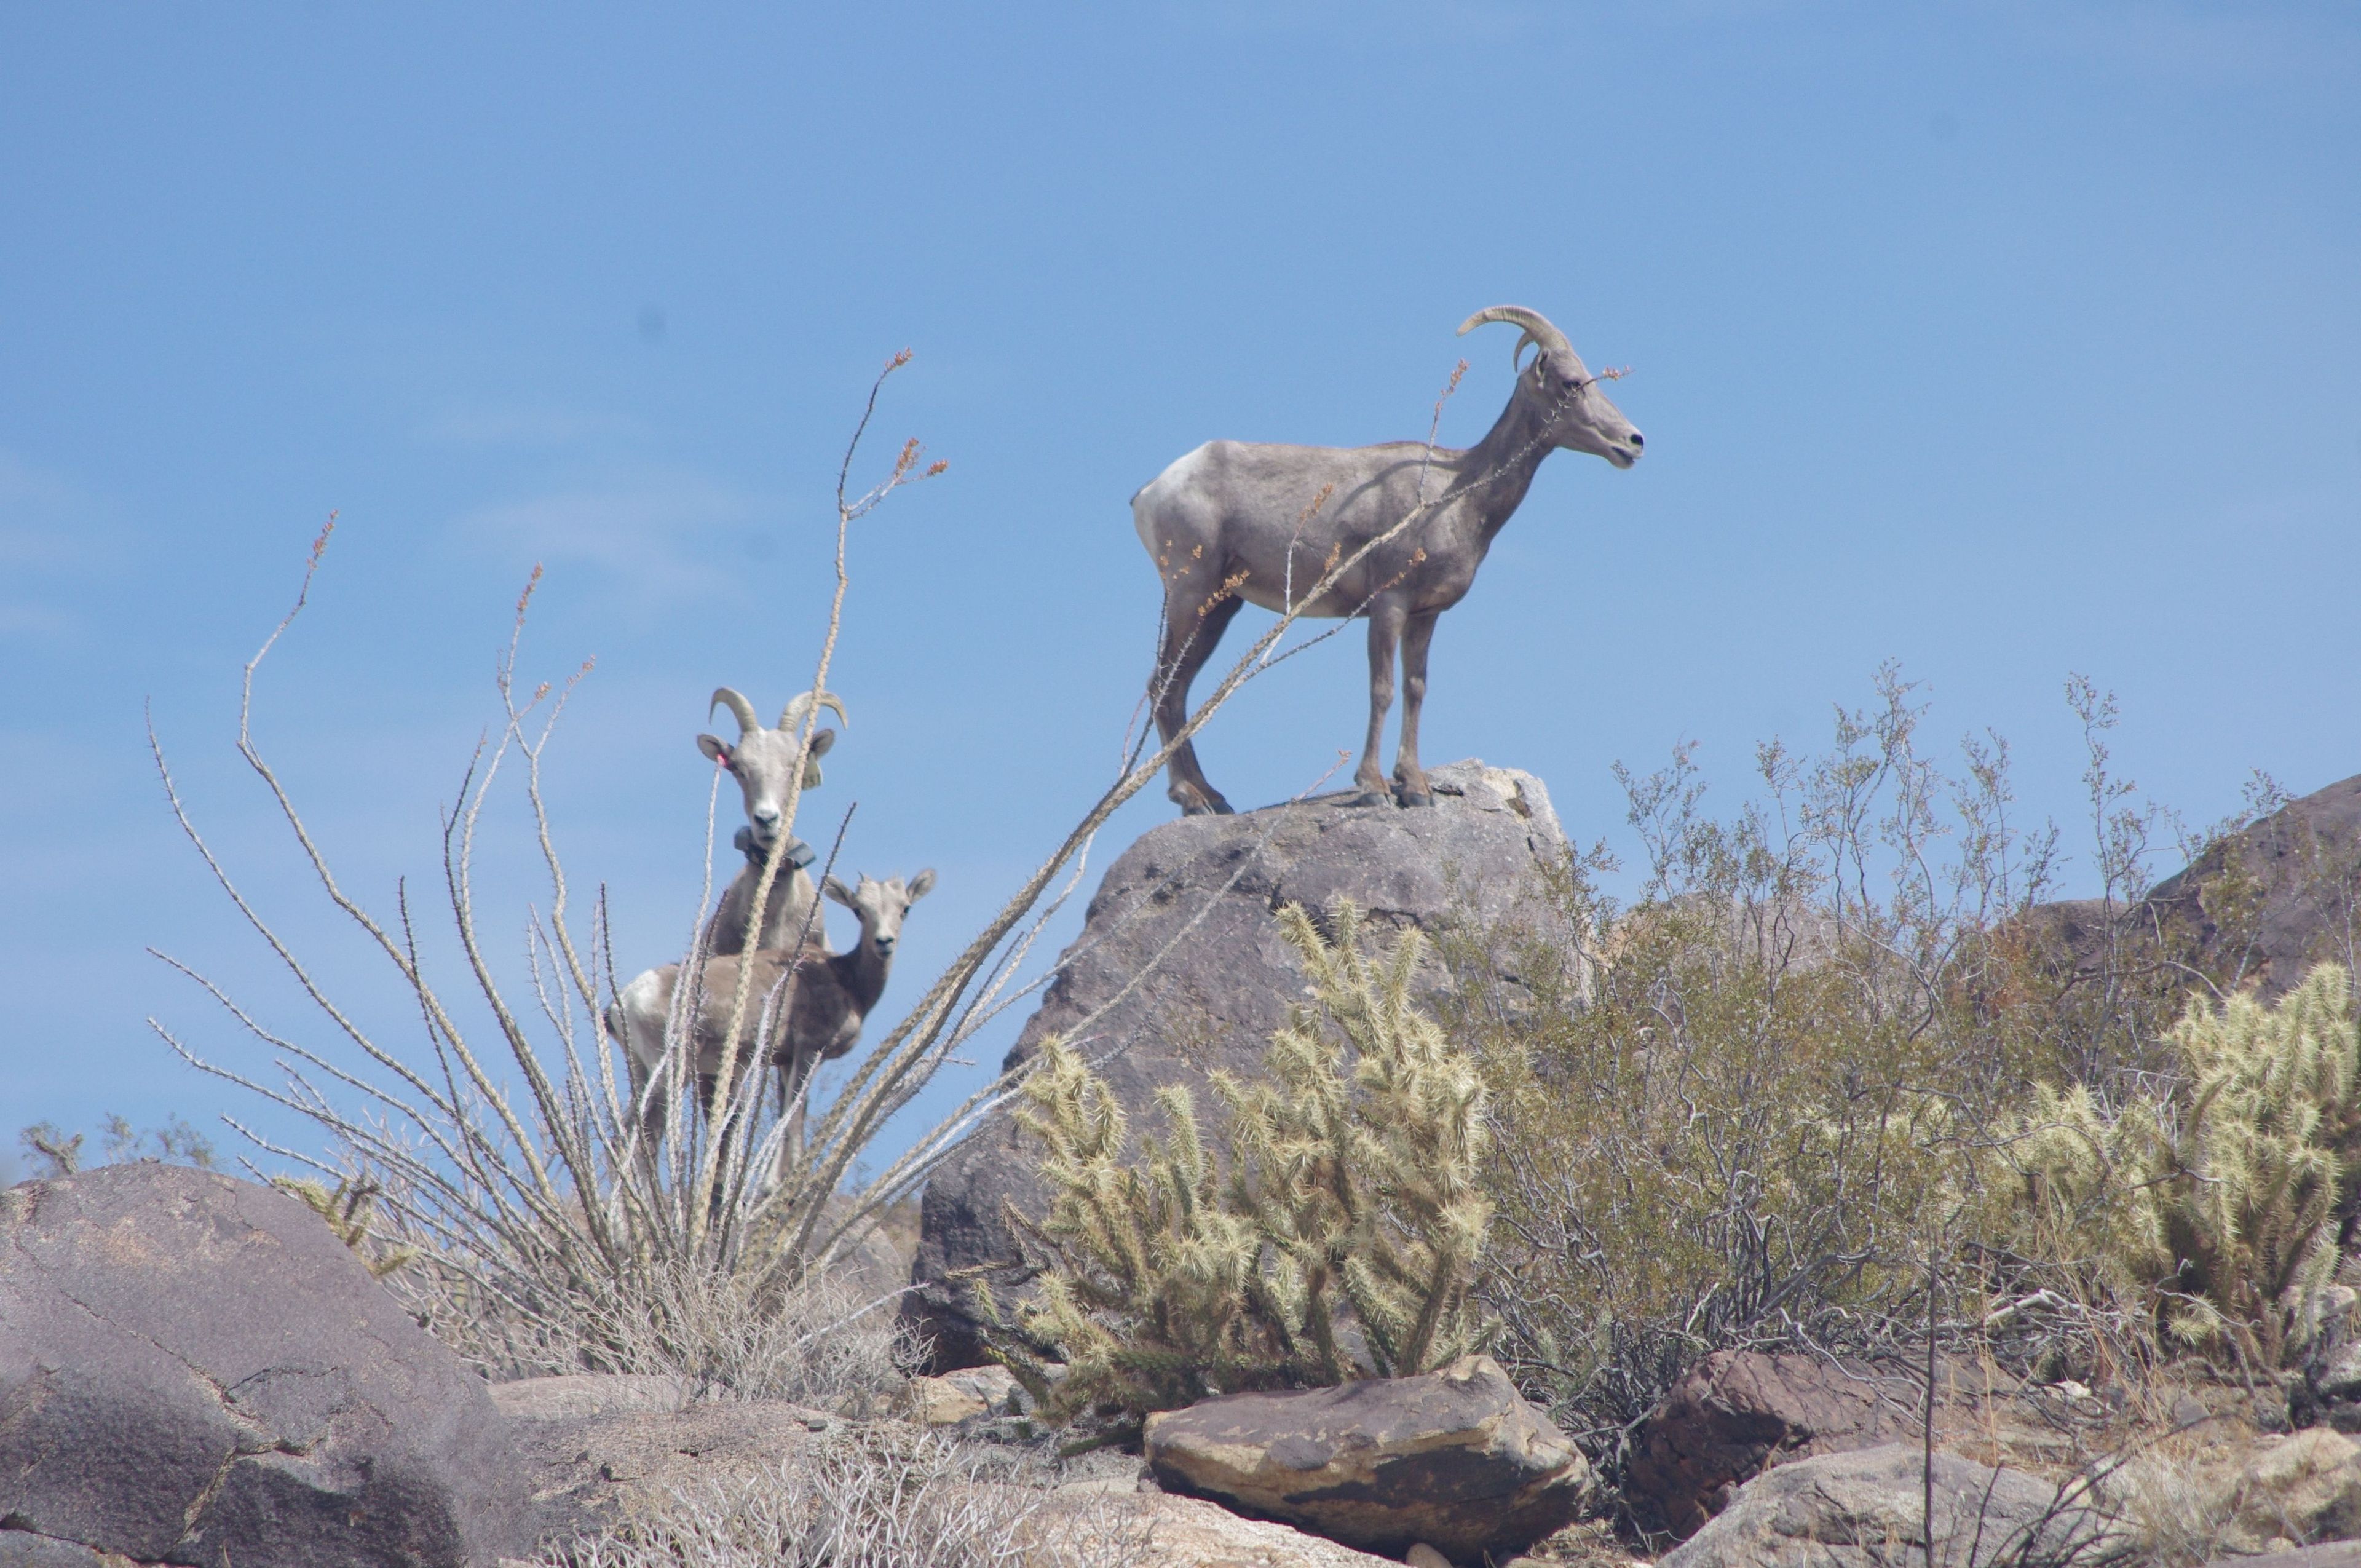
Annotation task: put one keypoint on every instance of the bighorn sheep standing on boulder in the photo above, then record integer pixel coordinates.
(1236, 523)
(763, 762)
(833, 994)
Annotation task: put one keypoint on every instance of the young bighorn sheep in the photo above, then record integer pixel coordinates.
(832, 996)
(763, 762)
(1236, 523)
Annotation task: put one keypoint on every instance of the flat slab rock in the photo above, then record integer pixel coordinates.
(1216, 998)
(1865, 1509)
(195, 1370)
(1456, 1459)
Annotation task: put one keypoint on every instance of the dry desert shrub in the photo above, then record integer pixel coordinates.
(1772, 1101)
(1738, 1110)
(826, 1341)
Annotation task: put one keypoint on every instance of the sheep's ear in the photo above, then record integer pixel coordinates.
(714, 747)
(839, 892)
(820, 745)
(921, 884)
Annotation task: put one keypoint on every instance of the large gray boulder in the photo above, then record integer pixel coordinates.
(1208, 886)
(1456, 1459)
(1867, 1510)
(195, 1370)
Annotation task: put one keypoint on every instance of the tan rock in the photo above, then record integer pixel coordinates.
(938, 1402)
(1425, 1556)
(2303, 1488)
(2263, 1495)
(956, 1396)
(1456, 1459)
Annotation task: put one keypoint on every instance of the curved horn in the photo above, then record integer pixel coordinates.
(1537, 327)
(800, 708)
(740, 709)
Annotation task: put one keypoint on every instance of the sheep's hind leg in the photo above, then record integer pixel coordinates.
(1190, 632)
(1410, 779)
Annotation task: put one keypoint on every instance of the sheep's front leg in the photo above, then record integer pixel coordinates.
(794, 1094)
(1386, 619)
(1410, 779)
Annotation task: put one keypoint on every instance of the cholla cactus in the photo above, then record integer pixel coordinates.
(2216, 1202)
(1337, 1239)
(346, 1207)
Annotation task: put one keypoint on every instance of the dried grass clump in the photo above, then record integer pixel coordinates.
(1335, 1236)
(826, 1341)
(875, 1499)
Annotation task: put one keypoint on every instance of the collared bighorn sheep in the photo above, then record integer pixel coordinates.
(763, 762)
(1236, 523)
(832, 996)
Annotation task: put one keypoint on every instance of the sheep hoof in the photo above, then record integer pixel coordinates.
(1375, 797)
(1422, 799)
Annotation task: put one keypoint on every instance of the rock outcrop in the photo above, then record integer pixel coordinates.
(1207, 887)
(1456, 1459)
(2264, 904)
(2279, 896)
(195, 1370)
(1866, 1509)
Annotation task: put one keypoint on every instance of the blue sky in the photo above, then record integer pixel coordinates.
(2005, 340)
